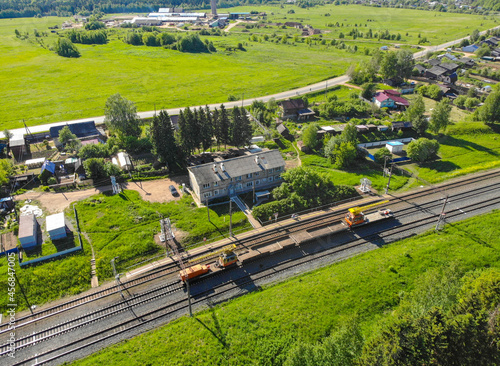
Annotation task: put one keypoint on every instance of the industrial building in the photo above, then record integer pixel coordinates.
(28, 231)
(237, 175)
(56, 226)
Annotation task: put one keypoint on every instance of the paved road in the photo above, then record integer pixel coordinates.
(19, 132)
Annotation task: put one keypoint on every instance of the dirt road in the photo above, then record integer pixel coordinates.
(152, 191)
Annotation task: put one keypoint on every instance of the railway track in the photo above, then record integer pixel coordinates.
(217, 291)
(259, 239)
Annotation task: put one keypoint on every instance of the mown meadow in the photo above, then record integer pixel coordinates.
(41, 87)
(262, 327)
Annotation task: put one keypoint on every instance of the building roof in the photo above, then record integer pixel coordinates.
(34, 162)
(82, 129)
(306, 112)
(293, 104)
(393, 95)
(55, 222)
(124, 159)
(327, 128)
(17, 141)
(420, 68)
(395, 143)
(434, 62)
(437, 70)
(381, 96)
(282, 129)
(401, 124)
(48, 165)
(450, 66)
(236, 167)
(27, 226)
(90, 142)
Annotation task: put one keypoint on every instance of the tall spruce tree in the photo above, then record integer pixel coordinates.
(241, 128)
(206, 130)
(224, 125)
(163, 140)
(183, 133)
(216, 124)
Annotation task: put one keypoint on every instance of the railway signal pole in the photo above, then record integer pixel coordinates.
(230, 217)
(389, 181)
(173, 246)
(442, 214)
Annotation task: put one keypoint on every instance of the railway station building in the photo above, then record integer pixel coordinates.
(236, 176)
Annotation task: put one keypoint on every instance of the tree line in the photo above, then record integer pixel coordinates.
(87, 37)
(188, 43)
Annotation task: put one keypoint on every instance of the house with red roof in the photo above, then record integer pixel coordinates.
(390, 99)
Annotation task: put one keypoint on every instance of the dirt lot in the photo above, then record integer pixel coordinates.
(152, 191)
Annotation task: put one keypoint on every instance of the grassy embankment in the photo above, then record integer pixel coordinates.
(120, 225)
(259, 328)
(49, 88)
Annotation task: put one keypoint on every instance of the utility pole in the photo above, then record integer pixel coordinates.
(441, 215)
(24, 295)
(389, 181)
(117, 276)
(230, 217)
(385, 164)
(208, 210)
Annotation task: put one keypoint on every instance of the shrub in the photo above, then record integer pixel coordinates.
(422, 149)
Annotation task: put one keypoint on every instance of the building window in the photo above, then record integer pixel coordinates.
(216, 184)
(238, 178)
(249, 184)
(207, 194)
(239, 186)
(256, 174)
(270, 179)
(206, 185)
(277, 177)
(264, 180)
(269, 171)
(277, 169)
(257, 182)
(216, 192)
(249, 175)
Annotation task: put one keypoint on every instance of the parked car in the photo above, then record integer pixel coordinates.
(173, 191)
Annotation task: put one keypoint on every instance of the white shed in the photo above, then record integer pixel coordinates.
(395, 147)
(124, 161)
(56, 227)
(28, 231)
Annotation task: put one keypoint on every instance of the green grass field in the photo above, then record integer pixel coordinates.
(41, 87)
(260, 328)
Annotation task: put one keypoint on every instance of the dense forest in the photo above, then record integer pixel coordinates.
(31, 8)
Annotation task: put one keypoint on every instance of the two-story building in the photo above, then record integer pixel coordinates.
(237, 175)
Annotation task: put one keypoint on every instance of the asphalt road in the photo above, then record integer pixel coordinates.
(426, 206)
(19, 132)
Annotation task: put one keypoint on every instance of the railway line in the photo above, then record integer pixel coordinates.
(258, 240)
(382, 236)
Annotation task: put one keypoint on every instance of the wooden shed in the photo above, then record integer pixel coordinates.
(28, 227)
(56, 227)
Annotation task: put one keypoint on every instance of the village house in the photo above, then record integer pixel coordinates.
(295, 109)
(390, 99)
(237, 175)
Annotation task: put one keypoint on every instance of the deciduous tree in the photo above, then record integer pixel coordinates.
(121, 116)
(440, 118)
(415, 114)
(310, 136)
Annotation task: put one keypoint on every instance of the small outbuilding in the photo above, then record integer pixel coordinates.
(28, 227)
(395, 147)
(56, 226)
(124, 161)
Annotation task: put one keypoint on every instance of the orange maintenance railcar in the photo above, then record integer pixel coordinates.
(194, 271)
